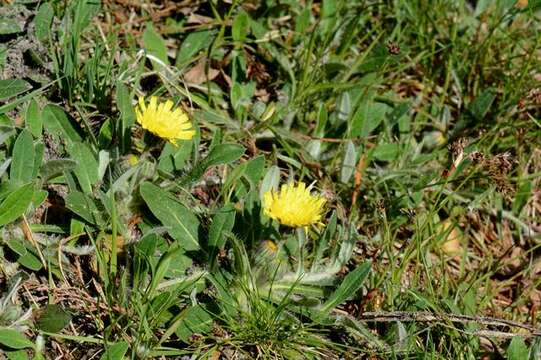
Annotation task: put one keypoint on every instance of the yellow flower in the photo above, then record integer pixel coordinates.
(161, 120)
(293, 205)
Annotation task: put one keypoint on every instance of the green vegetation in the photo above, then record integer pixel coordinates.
(417, 120)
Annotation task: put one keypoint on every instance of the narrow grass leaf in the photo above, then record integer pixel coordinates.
(83, 12)
(522, 196)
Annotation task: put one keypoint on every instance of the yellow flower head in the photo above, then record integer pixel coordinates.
(293, 205)
(161, 120)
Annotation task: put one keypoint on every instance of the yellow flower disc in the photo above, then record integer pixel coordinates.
(293, 205)
(164, 121)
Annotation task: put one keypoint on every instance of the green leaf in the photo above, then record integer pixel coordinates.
(173, 158)
(14, 339)
(17, 247)
(12, 87)
(43, 21)
(83, 11)
(223, 154)
(56, 122)
(196, 321)
(302, 21)
(32, 118)
(517, 349)
(181, 223)
(194, 42)
(9, 26)
(398, 112)
(22, 163)
(220, 154)
(17, 355)
(163, 266)
(56, 167)
(352, 282)
(367, 118)
(482, 103)
(39, 151)
(386, 152)
(115, 351)
(16, 203)
(178, 265)
(25, 257)
(124, 104)
(271, 181)
(39, 197)
(53, 318)
(522, 196)
(30, 261)
(222, 222)
(154, 43)
(3, 56)
(348, 165)
(343, 108)
(84, 206)
(87, 165)
(105, 136)
(240, 27)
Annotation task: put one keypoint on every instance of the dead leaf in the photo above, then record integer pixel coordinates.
(262, 94)
(453, 244)
(521, 4)
(197, 74)
(199, 19)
